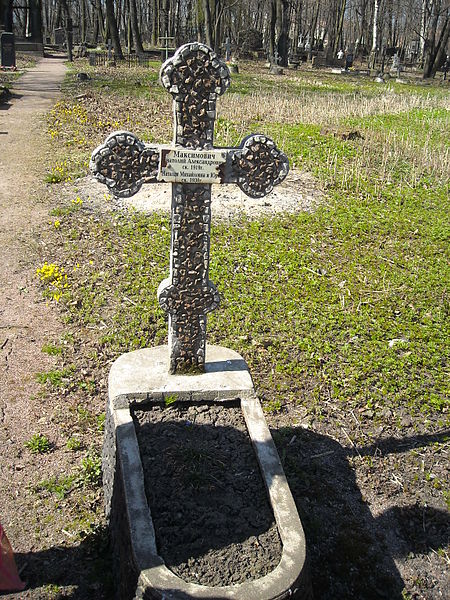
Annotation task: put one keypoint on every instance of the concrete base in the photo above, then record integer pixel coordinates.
(276, 70)
(30, 47)
(140, 377)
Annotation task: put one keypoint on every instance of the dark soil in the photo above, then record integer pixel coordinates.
(213, 521)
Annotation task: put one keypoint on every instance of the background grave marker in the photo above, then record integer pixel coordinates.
(7, 50)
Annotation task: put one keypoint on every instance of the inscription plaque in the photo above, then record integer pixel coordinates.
(192, 166)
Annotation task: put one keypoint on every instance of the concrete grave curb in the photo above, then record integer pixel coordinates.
(139, 377)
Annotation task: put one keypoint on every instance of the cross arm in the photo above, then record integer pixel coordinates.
(124, 163)
(257, 166)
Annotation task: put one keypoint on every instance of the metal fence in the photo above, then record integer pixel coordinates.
(103, 59)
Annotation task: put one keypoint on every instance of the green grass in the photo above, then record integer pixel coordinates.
(52, 349)
(330, 288)
(416, 125)
(59, 486)
(90, 471)
(56, 378)
(74, 444)
(312, 300)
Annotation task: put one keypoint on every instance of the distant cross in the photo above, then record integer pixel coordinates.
(167, 40)
(227, 49)
(195, 77)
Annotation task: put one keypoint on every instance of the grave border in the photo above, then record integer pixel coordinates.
(125, 500)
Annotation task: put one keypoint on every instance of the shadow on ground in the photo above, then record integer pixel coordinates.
(351, 554)
(82, 572)
(6, 100)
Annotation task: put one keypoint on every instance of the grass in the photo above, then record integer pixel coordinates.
(56, 378)
(365, 268)
(59, 486)
(23, 62)
(52, 349)
(341, 311)
(90, 472)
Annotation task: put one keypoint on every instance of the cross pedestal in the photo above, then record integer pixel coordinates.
(195, 77)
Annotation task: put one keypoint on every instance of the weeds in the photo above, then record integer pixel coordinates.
(170, 400)
(90, 472)
(272, 406)
(55, 378)
(38, 444)
(74, 444)
(52, 349)
(59, 486)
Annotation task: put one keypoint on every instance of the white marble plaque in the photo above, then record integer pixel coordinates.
(191, 166)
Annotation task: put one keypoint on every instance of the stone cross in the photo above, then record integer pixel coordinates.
(167, 40)
(195, 77)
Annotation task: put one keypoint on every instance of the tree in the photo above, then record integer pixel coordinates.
(113, 30)
(135, 28)
(6, 15)
(279, 30)
(69, 28)
(373, 51)
(35, 20)
(438, 33)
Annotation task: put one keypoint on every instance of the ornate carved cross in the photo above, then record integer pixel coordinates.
(195, 77)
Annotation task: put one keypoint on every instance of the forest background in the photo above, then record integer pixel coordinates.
(418, 30)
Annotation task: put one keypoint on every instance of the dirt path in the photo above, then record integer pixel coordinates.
(26, 323)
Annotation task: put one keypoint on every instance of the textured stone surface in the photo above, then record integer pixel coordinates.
(124, 163)
(195, 77)
(143, 373)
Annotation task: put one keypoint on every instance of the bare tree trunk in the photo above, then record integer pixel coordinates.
(272, 29)
(113, 30)
(373, 51)
(340, 23)
(155, 21)
(283, 31)
(83, 21)
(435, 52)
(35, 21)
(423, 30)
(208, 23)
(218, 25)
(135, 28)
(99, 30)
(68, 26)
(314, 27)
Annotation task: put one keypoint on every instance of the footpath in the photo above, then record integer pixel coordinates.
(26, 322)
